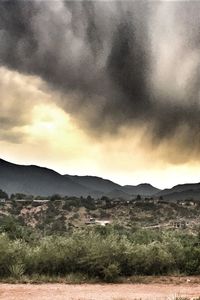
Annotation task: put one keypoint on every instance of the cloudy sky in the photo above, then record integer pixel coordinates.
(105, 88)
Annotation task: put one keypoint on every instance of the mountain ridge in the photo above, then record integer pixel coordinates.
(37, 180)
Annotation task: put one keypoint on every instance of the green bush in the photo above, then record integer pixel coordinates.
(16, 270)
(111, 272)
(12, 253)
(104, 254)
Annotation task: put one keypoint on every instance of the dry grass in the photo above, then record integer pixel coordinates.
(80, 278)
(163, 279)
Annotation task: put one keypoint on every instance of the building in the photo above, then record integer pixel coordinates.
(93, 221)
(182, 224)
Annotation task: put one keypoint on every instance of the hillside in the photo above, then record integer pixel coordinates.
(181, 192)
(76, 212)
(183, 195)
(36, 180)
(95, 183)
(143, 189)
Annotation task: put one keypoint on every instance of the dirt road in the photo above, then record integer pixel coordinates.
(97, 291)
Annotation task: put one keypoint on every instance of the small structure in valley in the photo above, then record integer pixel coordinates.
(93, 221)
(102, 222)
(182, 224)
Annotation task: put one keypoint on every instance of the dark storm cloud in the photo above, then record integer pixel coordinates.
(115, 63)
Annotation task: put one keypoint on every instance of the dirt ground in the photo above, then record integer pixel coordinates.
(97, 291)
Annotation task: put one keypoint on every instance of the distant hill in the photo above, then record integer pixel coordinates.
(118, 194)
(143, 189)
(111, 189)
(184, 195)
(181, 192)
(36, 180)
(95, 183)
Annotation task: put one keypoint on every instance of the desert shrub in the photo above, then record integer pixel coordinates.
(16, 270)
(55, 197)
(111, 272)
(100, 252)
(15, 229)
(103, 214)
(157, 260)
(12, 253)
(144, 236)
(44, 258)
(88, 203)
(3, 195)
(192, 264)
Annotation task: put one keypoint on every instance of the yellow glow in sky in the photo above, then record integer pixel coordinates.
(37, 131)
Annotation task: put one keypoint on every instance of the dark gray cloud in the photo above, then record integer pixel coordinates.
(115, 63)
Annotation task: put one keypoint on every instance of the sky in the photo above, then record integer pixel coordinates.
(105, 88)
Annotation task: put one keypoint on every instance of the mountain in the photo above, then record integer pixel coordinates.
(143, 189)
(36, 180)
(95, 183)
(111, 189)
(181, 192)
(116, 193)
(184, 195)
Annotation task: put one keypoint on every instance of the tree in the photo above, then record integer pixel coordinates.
(55, 197)
(3, 195)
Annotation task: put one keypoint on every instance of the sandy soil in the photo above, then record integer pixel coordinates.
(97, 291)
